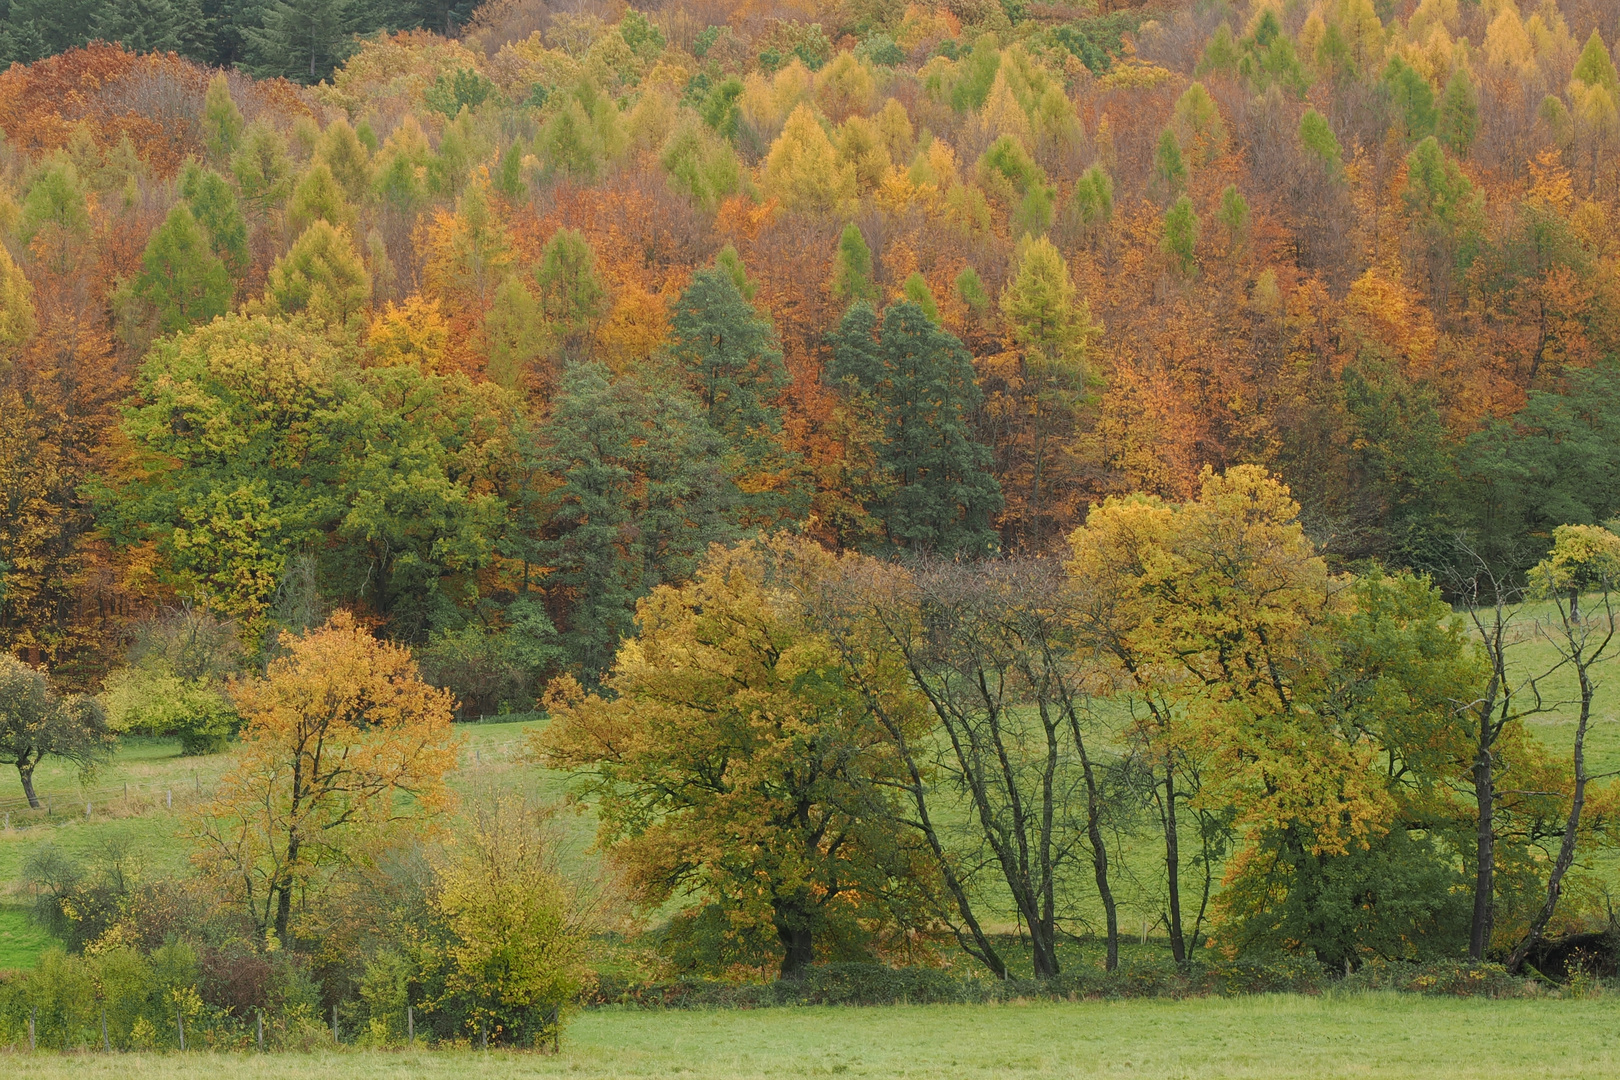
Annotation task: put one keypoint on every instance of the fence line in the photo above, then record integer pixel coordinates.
(60, 806)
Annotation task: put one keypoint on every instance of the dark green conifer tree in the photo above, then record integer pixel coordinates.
(917, 380)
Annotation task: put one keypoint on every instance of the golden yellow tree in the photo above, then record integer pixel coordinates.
(341, 741)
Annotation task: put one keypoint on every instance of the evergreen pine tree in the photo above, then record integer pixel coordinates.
(732, 360)
(640, 501)
(302, 40)
(918, 381)
(181, 278)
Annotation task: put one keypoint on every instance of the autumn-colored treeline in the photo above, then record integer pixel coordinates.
(487, 335)
(809, 403)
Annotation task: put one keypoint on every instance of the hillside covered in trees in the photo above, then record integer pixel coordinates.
(1207, 353)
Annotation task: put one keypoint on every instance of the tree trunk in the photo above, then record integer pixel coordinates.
(1566, 849)
(1172, 863)
(1099, 851)
(793, 928)
(1479, 934)
(25, 769)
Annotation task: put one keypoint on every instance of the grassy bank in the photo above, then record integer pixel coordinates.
(1344, 1035)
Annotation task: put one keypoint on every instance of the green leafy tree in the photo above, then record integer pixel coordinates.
(222, 120)
(322, 276)
(734, 761)
(852, 267)
(1458, 121)
(1411, 99)
(1319, 141)
(36, 723)
(261, 167)
(213, 203)
(341, 151)
(515, 332)
(917, 291)
(1233, 214)
(1169, 170)
(182, 281)
(318, 198)
(918, 381)
(572, 296)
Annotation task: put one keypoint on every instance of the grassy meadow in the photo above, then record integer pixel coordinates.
(1348, 1035)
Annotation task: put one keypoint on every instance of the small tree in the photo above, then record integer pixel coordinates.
(341, 739)
(36, 723)
(517, 950)
(1584, 558)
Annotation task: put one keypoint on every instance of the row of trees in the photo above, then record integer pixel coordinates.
(828, 751)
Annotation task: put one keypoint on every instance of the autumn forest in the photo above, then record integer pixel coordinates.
(930, 478)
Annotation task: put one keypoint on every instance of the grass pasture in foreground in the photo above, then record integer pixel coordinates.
(1337, 1035)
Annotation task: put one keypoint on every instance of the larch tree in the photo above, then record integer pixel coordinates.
(182, 281)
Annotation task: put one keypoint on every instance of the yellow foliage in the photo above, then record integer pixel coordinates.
(803, 169)
(414, 332)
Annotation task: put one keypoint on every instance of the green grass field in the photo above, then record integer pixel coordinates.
(1361, 1036)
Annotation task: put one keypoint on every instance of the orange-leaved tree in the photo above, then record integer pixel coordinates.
(342, 741)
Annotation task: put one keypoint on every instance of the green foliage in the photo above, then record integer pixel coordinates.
(515, 331)
(1411, 99)
(918, 381)
(1036, 212)
(1233, 214)
(465, 89)
(978, 74)
(970, 287)
(1096, 41)
(1553, 462)
(1319, 141)
(222, 120)
(1092, 204)
(1458, 121)
(852, 267)
(318, 198)
(1221, 52)
(321, 276)
(343, 152)
(213, 203)
(1169, 171)
(1181, 228)
(643, 495)
(181, 280)
(263, 172)
(917, 291)
(701, 165)
(55, 205)
(302, 40)
(572, 298)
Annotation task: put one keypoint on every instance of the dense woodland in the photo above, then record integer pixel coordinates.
(852, 424)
